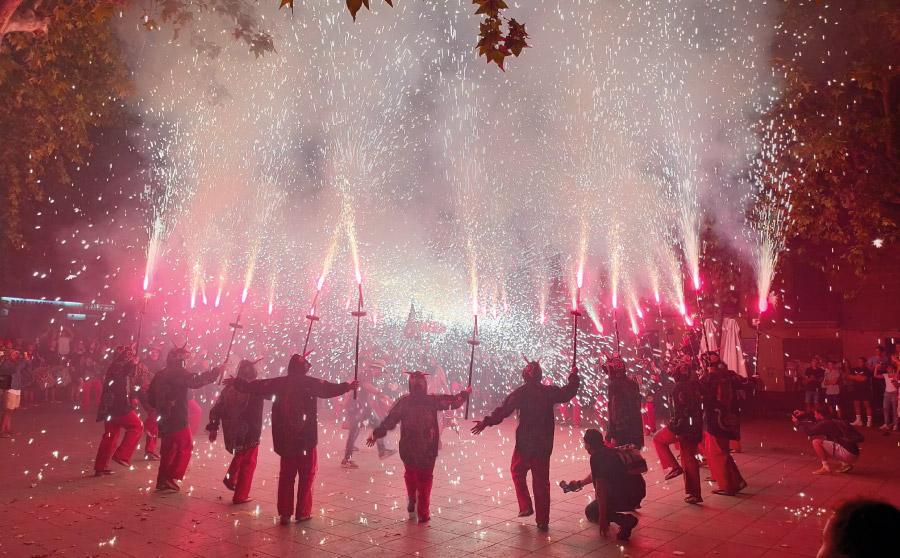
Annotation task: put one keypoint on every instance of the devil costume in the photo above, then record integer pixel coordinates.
(295, 430)
(721, 426)
(626, 426)
(420, 432)
(686, 428)
(117, 410)
(534, 436)
(168, 394)
(241, 417)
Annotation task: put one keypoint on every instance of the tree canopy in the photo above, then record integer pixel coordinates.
(841, 97)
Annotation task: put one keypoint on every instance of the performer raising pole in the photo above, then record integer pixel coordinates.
(358, 314)
(474, 343)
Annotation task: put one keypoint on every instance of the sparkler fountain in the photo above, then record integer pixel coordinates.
(769, 218)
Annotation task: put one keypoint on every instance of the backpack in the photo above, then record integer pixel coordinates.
(631, 458)
(849, 434)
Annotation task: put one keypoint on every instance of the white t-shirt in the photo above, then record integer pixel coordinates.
(832, 374)
(889, 386)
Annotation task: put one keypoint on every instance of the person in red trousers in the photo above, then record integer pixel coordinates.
(721, 426)
(241, 417)
(116, 408)
(295, 429)
(534, 437)
(420, 434)
(686, 428)
(168, 394)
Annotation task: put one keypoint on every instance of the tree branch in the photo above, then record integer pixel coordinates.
(21, 16)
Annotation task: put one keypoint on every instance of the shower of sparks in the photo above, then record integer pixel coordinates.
(769, 216)
(578, 180)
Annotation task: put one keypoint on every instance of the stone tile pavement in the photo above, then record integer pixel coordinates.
(53, 506)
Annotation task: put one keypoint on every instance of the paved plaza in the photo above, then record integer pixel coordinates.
(52, 505)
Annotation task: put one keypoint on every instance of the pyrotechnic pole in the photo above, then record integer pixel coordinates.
(358, 315)
(235, 325)
(474, 343)
(758, 331)
(137, 341)
(662, 323)
(312, 318)
(575, 313)
(616, 325)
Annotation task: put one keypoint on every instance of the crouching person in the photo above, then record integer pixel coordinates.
(617, 491)
(832, 439)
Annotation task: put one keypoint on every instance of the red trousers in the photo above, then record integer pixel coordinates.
(175, 454)
(649, 416)
(133, 427)
(240, 472)
(721, 465)
(418, 488)
(540, 482)
(663, 439)
(304, 467)
(90, 392)
(576, 412)
(195, 414)
(151, 428)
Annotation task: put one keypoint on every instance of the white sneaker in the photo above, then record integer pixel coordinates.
(870, 424)
(857, 422)
(884, 427)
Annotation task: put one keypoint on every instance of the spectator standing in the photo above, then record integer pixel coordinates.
(832, 383)
(812, 379)
(888, 373)
(18, 369)
(861, 391)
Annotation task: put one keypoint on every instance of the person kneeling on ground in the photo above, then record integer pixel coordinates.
(831, 438)
(860, 528)
(616, 490)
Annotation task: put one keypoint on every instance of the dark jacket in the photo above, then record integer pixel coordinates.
(837, 431)
(420, 432)
(626, 426)
(687, 410)
(241, 418)
(534, 436)
(20, 372)
(719, 420)
(168, 394)
(118, 391)
(295, 423)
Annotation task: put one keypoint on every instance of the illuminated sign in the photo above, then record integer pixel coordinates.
(14, 302)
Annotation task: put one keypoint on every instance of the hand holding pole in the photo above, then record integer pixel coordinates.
(474, 343)
(235, 325)
(358, 315)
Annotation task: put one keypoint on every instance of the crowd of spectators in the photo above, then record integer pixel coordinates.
(863, 390)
